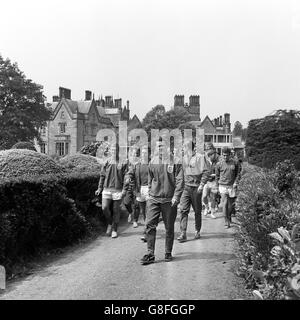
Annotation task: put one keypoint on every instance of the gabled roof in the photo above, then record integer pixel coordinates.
(84, 106)
(208, 125)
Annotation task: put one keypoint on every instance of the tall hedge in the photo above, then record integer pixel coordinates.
(274, 138)
(36, 214)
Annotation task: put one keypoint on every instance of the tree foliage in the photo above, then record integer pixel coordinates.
(238, 129)
(22, 106)
(274, 138)
(158, 118)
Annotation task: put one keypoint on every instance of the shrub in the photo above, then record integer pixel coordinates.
(262, 207)
(24, 145)
(81, 188)
(81, 163)
(35, 215)
(17, 163)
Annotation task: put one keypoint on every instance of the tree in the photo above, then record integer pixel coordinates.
(22, 106)
(152, 117)
(238, 129)
(274, 138)
(158, 118)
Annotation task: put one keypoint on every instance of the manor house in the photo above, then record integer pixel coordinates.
(75, 123)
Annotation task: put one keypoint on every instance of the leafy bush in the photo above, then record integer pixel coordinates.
(81, 188)
(21, 162)
(36, 214)
(24, 145)
(262, 207)
(81, 163)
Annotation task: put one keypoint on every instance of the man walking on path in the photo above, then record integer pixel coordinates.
(196, 170)
(165, 181)
(138, 175)
(210, 191)
(228, 173)
(111, 185)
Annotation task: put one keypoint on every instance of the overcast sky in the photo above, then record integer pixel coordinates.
(241, 57)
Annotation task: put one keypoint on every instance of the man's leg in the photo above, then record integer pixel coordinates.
(116, 214)
(205, 199)
(151, 224)
(197, 206)
(106, 204)
(224, 198)
(185, 205)
(169, 214)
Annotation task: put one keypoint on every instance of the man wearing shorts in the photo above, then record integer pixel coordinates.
(227, 178)
(111, 185)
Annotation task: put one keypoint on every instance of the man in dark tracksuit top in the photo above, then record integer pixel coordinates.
(111, 185)
(196, 174)
(165, 188)
(228, 174)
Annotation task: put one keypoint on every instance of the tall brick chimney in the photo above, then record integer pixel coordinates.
(108, 101)
(55, 98)
(64, 93)
(179, 101)
(88, 95)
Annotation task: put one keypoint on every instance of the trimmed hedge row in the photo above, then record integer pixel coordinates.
(36, 214)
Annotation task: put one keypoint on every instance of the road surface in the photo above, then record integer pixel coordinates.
(109, 269)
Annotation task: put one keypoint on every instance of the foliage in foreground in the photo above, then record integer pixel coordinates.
(269, 202)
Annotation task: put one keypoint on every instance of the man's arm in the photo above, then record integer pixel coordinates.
(179, 183)
(101, 179)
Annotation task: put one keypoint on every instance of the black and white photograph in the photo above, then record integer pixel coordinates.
(150, 153)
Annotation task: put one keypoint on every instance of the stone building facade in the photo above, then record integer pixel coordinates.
(74, 124)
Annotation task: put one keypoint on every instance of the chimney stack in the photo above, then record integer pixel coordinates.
(55, 98)
(64, 93)
(88, 95)
(127, 103)
(179, 101)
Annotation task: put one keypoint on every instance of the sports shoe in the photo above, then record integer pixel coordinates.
(114, 234)
(168, 257)
(213, 216)
(135, 224)
(147, 259)
(182, 237)
(108, 230)
(206, 211)
(143, 238)
(197, 235)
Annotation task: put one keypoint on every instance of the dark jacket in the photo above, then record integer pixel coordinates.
(228, 173)
(165, 181)
(113, 175)
(213, 166)
(197, 171)
(138, 176)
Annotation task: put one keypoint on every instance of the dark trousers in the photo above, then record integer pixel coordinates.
(169, 214)
(139, 209)
(190, 197)
(128, 201)
(111, 210)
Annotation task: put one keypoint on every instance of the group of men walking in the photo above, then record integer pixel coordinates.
(159, 189)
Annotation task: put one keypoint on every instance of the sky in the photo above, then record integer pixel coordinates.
(241, 57)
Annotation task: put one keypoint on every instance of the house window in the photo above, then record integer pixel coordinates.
(43, 130)
(62, 148)
(43, 147)
(208, 138)
(62, 115)
(62, 127)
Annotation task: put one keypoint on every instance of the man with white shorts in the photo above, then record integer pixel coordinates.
(228, 174)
